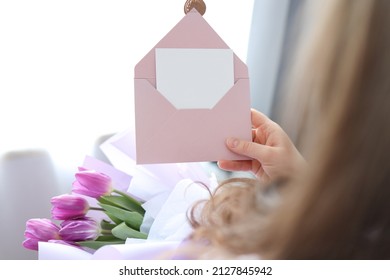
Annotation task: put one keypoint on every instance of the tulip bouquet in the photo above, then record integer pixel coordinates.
(122, 220)
(121, 210)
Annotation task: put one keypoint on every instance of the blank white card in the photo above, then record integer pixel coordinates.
(194, 78)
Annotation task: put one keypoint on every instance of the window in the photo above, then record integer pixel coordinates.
(66, 67)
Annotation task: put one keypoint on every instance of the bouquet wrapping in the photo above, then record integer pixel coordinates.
(121, 210)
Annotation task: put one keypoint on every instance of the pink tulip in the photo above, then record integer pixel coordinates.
(66, 207)
(79, 230)
(92, 183)
(39, 230)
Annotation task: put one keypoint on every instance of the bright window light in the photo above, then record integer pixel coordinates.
(66, 67)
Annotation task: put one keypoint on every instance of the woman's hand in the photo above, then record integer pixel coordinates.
(273, 155)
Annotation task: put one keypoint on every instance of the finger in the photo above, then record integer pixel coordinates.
(235, 165)
(258, 118)
(253, 135)
(249, 149)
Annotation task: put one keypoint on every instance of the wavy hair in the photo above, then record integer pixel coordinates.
(339, 208)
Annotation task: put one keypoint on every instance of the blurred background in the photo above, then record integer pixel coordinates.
(66, 84)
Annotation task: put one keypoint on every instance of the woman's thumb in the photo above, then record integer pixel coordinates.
(246, 148)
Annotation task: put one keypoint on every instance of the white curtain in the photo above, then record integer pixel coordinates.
(265, 51)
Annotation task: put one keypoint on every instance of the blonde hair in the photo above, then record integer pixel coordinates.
(235, 202)
(340, 207)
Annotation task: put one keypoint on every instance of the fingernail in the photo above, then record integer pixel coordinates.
(232, 142)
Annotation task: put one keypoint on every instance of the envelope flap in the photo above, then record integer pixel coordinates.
(191, 32)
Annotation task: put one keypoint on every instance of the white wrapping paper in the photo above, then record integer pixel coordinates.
(167, 191)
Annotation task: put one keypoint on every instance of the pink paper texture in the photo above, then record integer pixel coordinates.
(165, 134)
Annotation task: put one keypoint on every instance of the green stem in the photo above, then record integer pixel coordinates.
(96, 209)
(127, 196)
(106, 232)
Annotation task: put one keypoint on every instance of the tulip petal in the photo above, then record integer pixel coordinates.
(79, 230)
(91, 183)
(31, 244)
(68, 207)
(41, 229)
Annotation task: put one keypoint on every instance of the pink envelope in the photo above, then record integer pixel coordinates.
(165, 134)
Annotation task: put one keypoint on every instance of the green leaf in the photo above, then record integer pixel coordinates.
(95, 244)
(107, 238)
(113, 218)
(124, 202)
(122, 231)
(106, 225)
(132, 219)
